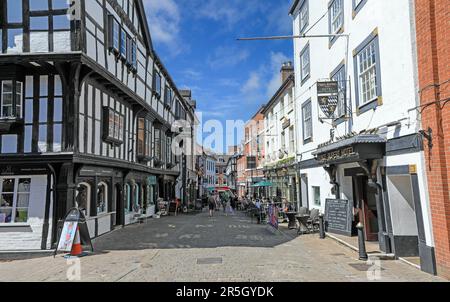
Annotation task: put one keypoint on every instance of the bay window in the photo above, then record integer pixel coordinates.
(144, 139)
(113, 126)
(11, 99)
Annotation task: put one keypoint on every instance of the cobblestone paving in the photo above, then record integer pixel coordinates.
(192, 248)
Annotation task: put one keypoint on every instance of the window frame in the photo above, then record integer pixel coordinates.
(357, 7)
(378, 100)
(303, 6)
(14, 95)
(302, 53)
(340, 29)
(109, 137)
(15, 194)
(307, 139)
(145, 151)
(340, 68)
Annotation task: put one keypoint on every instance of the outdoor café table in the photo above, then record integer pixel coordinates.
(303, 221)
(291, 216)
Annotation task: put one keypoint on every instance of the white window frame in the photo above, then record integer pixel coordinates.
(304, 16)
(307, 120)
(367, 74)
(305, 65)
(15, 197)
(336, 16)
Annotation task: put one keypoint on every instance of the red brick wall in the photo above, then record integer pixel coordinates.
(433, 43)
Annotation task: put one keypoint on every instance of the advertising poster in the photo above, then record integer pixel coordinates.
(67, 236)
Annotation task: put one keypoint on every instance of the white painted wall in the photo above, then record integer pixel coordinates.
(392, 19)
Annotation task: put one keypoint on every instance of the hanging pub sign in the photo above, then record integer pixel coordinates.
(328, 97)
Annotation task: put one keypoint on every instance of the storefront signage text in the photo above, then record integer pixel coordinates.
(337, 155)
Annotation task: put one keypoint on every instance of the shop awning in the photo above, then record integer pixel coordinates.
(351, 149)
(263, 184)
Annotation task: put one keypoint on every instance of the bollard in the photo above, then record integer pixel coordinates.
(322, 226)
(361, 242)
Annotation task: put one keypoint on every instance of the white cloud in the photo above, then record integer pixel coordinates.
(252, 84)
(276, 61)
(164, 21)
(227, 56)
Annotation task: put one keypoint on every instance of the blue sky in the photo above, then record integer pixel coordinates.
(196, 40)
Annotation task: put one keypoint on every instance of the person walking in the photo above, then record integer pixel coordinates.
(211, 205)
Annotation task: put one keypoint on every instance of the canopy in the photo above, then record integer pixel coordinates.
(263, 184)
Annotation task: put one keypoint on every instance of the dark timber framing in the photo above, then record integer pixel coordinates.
(78, 156)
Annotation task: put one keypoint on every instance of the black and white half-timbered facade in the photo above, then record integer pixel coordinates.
(86, 117)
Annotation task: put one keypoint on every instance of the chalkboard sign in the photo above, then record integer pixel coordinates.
(339, 216)
(173, 208)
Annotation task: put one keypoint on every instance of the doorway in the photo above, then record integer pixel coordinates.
(119, 205)
(366, 204)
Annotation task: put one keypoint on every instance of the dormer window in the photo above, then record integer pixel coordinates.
(11, 99)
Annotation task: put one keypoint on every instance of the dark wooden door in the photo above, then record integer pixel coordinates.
(366, 203)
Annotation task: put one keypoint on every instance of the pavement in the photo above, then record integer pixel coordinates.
(197, 248)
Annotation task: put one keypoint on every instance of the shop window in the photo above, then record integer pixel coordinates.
(102, 198)
(14, 200)
(83, 198)
(317, 200)
(129, 207)
(11, 99)
(113, 126)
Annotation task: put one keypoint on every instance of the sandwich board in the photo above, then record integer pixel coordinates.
(74, 220)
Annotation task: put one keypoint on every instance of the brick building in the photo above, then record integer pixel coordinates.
(433, 44)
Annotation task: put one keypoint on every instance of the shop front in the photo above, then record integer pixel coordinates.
(377, 182)
(99, 194)
(26, 207)
(283, 179)
(140, 195)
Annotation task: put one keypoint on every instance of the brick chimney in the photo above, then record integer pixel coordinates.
(286, 70)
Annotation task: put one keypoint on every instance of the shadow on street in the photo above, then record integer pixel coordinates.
(194, 231)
